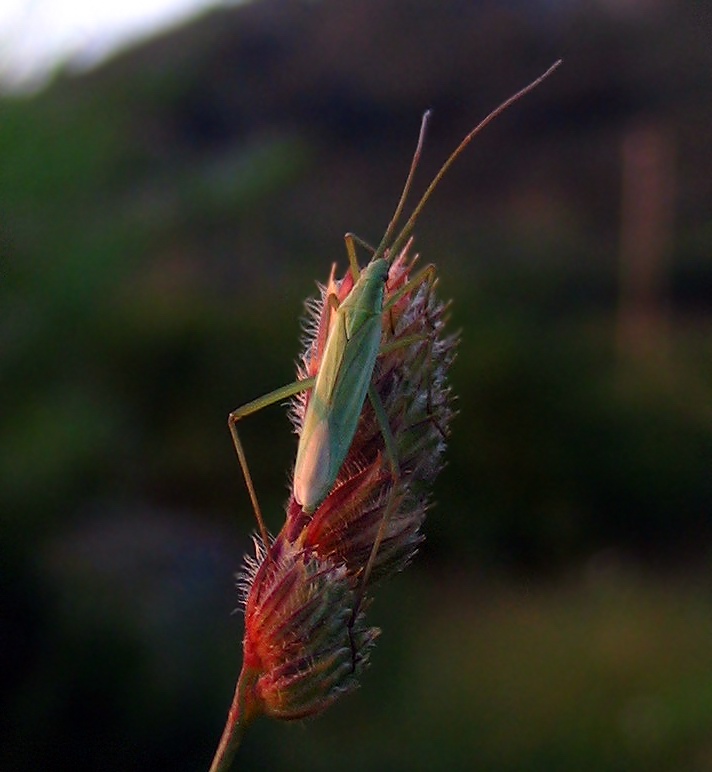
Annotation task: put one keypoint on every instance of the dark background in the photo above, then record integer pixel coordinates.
(164, 216)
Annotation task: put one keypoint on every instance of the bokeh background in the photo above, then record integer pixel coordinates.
(163, 217)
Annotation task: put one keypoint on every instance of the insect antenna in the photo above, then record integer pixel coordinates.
(400, 240)
(388, 235)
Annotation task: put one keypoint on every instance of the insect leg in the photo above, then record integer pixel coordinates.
(427, 276)
(352, 240)
(253, 407)
(391, 453)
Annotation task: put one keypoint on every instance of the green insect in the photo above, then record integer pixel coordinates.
(340, 388)
(343, 381)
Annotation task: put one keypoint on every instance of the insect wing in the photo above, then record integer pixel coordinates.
(335, 406)
(352, 386)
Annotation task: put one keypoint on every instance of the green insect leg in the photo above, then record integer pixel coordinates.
(352, 240)
(248, 409)
(427, 276)
(392, 455)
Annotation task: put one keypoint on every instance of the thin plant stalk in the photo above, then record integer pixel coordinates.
(239, 717)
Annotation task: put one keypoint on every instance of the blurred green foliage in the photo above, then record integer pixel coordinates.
(163, 219)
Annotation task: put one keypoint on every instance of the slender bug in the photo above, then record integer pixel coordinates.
(343, 381)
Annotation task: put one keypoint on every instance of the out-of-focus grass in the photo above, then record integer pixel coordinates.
(610, 671)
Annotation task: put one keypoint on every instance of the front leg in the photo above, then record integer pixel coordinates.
(253, 407)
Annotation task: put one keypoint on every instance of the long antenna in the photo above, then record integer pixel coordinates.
(406, 188)
(410, 224)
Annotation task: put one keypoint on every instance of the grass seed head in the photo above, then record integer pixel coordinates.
(305, 634)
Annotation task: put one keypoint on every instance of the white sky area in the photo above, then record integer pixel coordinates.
(37, 35)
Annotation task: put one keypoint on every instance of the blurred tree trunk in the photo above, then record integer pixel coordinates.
(646, 231)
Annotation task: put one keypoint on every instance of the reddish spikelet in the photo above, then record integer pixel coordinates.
(300, 639)
(306, 640)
